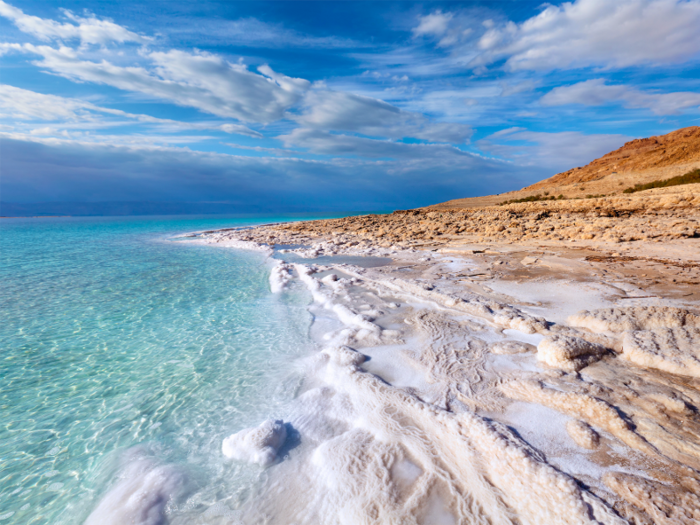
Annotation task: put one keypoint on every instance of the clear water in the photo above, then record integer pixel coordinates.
(114, 336)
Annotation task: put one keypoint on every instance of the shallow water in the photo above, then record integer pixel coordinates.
(119, 344)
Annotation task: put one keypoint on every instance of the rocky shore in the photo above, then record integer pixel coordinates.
(562, 334)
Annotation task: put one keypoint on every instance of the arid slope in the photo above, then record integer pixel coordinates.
(637, 162)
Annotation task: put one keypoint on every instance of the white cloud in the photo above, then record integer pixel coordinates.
(90, 30)
(251, 32)
(519, 87)
(435, 24)
(553, 151)
(324, 143)
(447, 28)
(586, 33)
(335, 110)
(22, 104)
(210, 83)
(201, 80)
(596, 92)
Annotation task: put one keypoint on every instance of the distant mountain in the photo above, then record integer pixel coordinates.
(679, 147)
(638, 162)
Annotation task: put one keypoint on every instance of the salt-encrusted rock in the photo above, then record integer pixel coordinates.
(568, 353)
(675, 350)
(256, 445)
(511, 347)
(634, 318)
(345, 356)
(280, 275)
(582, 434)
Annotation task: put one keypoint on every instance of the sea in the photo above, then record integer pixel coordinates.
(127, 351)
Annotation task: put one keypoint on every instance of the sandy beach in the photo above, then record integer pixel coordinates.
(507, 365)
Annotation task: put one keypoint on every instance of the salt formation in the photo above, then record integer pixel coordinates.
(674, 350)
(634, 318)
(661, 502)
(436, 430)
(568, 353)
(582, 434)
(401, 460)
(596, 412)
(382, 455)
(327, 294)
(141, 494)
(256, 445)
(280, 275)
(510, 347)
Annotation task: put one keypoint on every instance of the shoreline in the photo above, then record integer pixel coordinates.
(510, 390)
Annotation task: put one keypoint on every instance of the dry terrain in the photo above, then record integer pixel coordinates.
(637, 162)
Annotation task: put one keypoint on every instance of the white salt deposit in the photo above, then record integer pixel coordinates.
(675, 350)
(394, 433)
(510, 347)
(280, 275)
(582, 434)
(634, 318)
(258, 444)
(568, 353)
(140, 495)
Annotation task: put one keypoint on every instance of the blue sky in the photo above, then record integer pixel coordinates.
(330, 105)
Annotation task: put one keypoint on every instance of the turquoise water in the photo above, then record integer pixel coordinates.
(117, 341)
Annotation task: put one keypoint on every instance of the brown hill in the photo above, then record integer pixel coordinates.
(637, 162)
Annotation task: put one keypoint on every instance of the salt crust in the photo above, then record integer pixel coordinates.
(675, 350)
(510, 347)
(480, 470)
(663, 503)
(568, 353)
(359, 326)
(241, 245)
(141, 494)
(357, 470)
(484, 472)
(582, 434)
(258, 444)
(502, 315)
(634, 318)
(594, 411)
(280, 275)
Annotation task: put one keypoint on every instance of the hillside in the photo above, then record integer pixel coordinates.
(637, 162)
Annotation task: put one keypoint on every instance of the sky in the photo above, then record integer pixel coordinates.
(327, 106)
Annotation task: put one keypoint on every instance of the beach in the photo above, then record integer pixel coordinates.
(542, 369)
